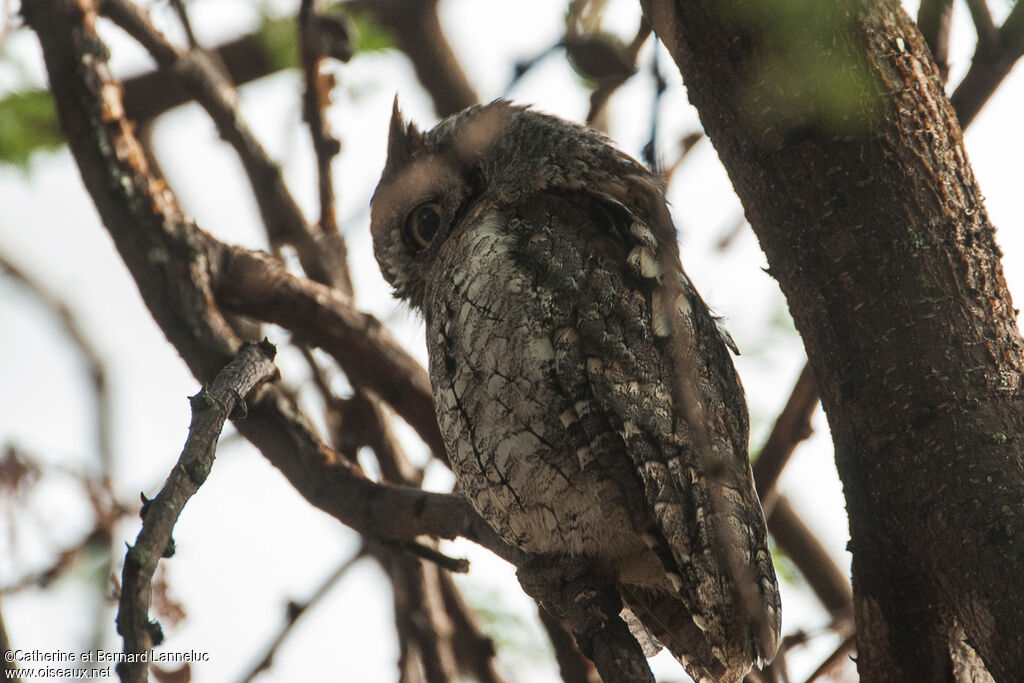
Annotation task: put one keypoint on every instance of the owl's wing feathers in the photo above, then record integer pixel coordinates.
(614, 359)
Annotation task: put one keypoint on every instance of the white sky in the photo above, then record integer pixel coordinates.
(247, 542)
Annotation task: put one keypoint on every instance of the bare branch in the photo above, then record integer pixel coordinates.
(173, 262)
(205, 82)
(186, 23)
(984, 25)
(829, 583)
(474, 650)
(210, 408)
(992, 62)
(295, 612)
(934, 18)
(320, 36)
(792, 426)
(417, 28)
(257, 285)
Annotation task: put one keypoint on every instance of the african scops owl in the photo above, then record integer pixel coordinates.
(538, 255)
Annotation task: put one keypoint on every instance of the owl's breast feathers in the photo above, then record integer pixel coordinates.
(554, 384)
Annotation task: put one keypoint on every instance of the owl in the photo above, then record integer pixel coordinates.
(568, 355)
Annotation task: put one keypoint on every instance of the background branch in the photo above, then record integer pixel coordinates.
(210, 408)
(934, 18)
(996, 53)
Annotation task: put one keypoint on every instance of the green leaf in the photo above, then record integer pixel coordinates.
(370, 36)
(28, 122)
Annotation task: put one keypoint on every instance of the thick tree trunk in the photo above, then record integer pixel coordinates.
(832, 123)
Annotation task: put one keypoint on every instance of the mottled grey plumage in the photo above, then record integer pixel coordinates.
(564, 341)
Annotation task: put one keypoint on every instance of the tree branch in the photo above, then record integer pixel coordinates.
(259, 286)
(929, 463)
(792, 426)
(934, 18)
(295, 612)
(320, 36)
(173, 263)
(417, 28)
(994, 57)
(210, 408)
(826, 580)
(205, 82)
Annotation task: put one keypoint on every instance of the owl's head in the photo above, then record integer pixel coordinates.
(434, 181)
(430, 181)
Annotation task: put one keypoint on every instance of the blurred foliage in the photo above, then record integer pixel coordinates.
(807, 68)
(28, 122)
(513, 635)
(370, 36)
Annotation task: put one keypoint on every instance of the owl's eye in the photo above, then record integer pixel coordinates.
(422, 225)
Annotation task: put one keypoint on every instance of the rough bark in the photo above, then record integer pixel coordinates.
(832, 123)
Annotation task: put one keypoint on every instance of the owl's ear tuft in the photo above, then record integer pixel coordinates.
(403, 141)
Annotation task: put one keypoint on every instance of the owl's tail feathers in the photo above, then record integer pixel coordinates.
(665, 618)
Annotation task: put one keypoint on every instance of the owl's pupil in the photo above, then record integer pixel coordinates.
(425, 224)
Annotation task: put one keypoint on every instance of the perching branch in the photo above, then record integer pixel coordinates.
(210, 409)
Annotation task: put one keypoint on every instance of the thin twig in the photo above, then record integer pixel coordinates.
(186, 23)
(210, 409)
(316, 98)
(599, 98)
(838, 656)
(295, 612)
(87, 350)
(687, 144)
(523, 67)
(457, 565)
(650, 151)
